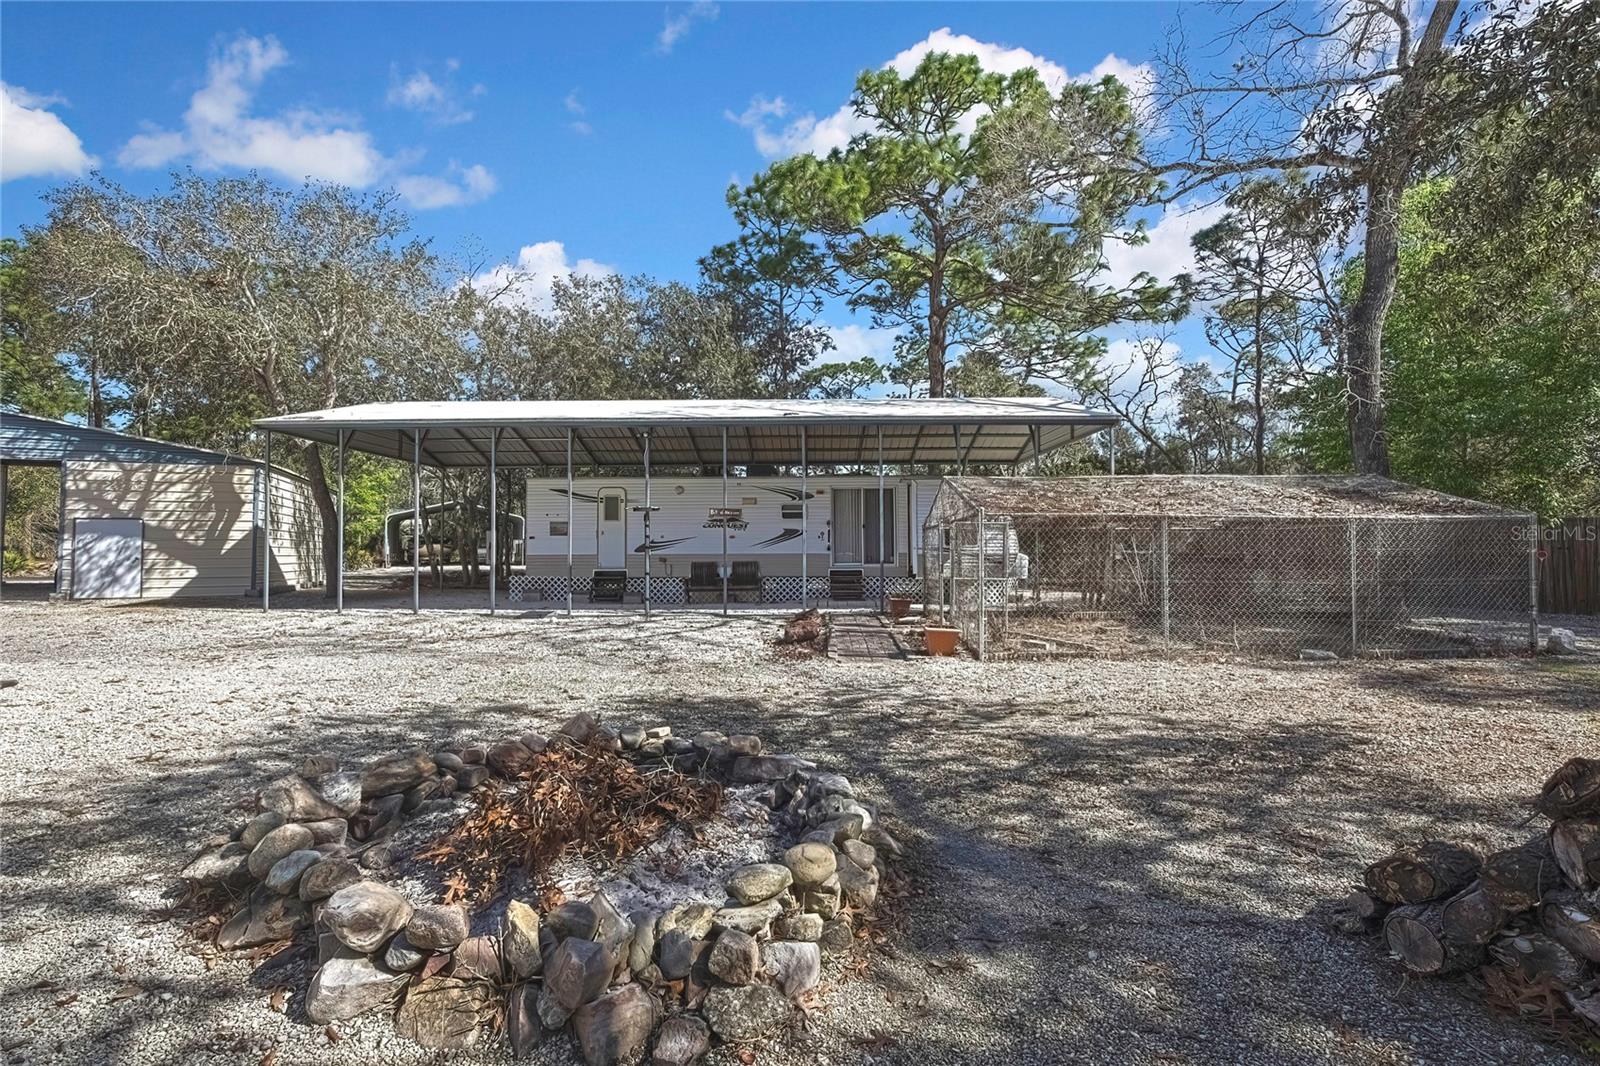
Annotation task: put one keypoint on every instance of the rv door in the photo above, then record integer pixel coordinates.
(611, 529)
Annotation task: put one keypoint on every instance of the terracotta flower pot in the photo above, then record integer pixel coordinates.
(899, 606)
(941, 640)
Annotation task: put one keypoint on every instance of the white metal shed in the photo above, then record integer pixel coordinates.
(146, 519)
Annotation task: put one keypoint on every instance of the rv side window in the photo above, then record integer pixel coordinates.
(791, 510)
(558, 529)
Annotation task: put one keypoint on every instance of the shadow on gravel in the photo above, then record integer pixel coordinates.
(1127, 887)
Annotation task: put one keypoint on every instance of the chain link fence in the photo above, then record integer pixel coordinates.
(1020, 585)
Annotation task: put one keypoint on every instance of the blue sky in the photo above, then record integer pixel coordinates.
(561, 137)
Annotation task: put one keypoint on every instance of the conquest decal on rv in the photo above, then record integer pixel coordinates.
(586, 497)
(782, 538)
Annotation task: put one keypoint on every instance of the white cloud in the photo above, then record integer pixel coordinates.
(460, 185)
(439, 102)
(819, 136)
(853, 341)
(220, 130)
(529, 280)
(1169, 251)
(34, 142)
(576, 108)
(676, 26)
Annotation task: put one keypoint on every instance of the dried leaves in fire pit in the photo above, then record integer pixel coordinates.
(571, 799)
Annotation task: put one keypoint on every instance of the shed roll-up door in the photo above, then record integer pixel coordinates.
(107, 558)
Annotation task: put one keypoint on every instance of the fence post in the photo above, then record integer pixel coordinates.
(983, 580)
(1533, 587)
(1355, 613)
(1166, 585)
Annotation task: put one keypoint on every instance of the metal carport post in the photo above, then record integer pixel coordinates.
(266, 521)
(569, 526)
(882, 590)
(494, 512)
(338, 592)
(724, 522)
(416, 521)
(805, 533)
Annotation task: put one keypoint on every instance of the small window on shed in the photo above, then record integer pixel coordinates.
(558, 529)
(791, 511)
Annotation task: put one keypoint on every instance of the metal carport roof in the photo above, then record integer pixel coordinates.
(689, 432)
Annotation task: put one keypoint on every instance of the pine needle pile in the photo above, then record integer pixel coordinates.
(1521, 925)
(572, 801)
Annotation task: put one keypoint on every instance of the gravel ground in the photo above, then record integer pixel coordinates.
(1120, 862)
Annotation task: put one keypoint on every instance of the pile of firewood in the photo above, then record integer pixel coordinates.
(1525, 920)
(806, 628)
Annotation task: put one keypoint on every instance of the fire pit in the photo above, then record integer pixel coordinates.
(644, 891)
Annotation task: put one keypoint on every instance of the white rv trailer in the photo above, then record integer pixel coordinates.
(765, 522)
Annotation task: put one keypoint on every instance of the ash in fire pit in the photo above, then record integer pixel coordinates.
(646, 891)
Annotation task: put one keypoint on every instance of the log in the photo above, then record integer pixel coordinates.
(1359, 913)
(1538, 955)
(1517, 878)
(1572, 791)
(1415, 935)
(1472, 917)
(1573, 919)
(1364, 906)
(1575, 843)
(1428, 871)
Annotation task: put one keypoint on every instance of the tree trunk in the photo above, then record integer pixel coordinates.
(1518, 878)
(328, 510)
(1576, 846)
(1572, 790)
(1429, 871)
(1416, 936)
(1536, 955)
(938, 320)
(1574, 920)
(1472, 917)
(1390, 173)
(1369, 448)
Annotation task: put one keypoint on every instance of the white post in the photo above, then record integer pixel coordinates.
(266, 522)
(416, 521)
(1112, 448)
(338, 595)
(646, 526)
(494, 512)
(805, 529)
(724, 567)
(882, 590)
(569, 524)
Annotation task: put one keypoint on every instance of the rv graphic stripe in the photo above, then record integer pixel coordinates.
(587, 497)
(782, 538)
(787, 493)
(664, 542)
